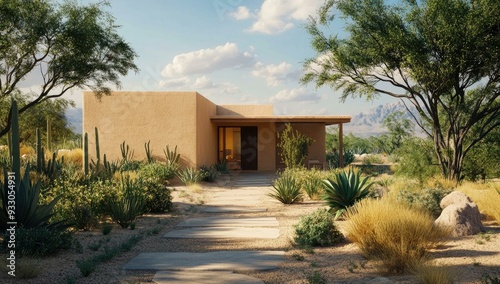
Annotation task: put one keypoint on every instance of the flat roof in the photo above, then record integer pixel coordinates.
(326, 119)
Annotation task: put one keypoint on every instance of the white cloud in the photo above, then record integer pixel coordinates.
(273, 74)
(242, 13)
(172, 83)
(276, 16)
(203, 82)
(208, 60)
(295, 95)
(229, 88)
(321, 111)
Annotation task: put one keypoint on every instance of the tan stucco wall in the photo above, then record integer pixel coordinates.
(245, 110)
(137, 117)
(206, 133)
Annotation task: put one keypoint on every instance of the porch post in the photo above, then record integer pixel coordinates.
(341, 146)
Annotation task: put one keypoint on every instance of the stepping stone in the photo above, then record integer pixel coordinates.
(230, 222)
(231, 209)
(224, 233)
(202, 277)
(217, 260)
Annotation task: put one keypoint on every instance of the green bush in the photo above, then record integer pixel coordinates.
(317, 229)
(130, 165)
(333, 159)
(417, 159)
(190, 176)
(82, 217)
(345, 189)
(40, 241)
(222, 167)
(313, 186)
(286, 190)
(157, 171)
(157, 197)
(293, 146)
(428, 199)
(210, 173)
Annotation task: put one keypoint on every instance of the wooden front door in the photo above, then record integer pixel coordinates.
(249, 150)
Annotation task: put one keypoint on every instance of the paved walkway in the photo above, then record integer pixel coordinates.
(188, 267)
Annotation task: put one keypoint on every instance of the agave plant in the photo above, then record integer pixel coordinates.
(345, 189)
(286, 190)
(125, 209)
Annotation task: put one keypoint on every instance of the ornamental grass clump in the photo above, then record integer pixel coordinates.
(345, 189)
(393, 233)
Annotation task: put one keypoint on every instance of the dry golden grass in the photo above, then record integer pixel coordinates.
(27, 150)
(392, 232)
(74, 156)
(432, 273)
(486, 196)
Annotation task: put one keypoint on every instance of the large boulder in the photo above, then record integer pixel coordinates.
(460, 214)
(455, 197)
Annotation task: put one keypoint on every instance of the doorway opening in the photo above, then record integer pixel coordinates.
(238, 147)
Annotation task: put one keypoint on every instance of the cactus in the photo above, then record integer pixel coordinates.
(95, 165)
(149, 153)
(126, 154)
(39, 152)
(172, 157)
(16, 152)
(86, 154)
(49, 134)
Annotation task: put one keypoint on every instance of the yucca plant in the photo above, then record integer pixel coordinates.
(345, 189)
(125, 209)
(190, 176)
(286, 190)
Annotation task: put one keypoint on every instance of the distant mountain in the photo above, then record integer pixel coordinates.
(370, 123)
(74, 117)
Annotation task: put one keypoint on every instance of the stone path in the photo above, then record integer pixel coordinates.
(199, 267)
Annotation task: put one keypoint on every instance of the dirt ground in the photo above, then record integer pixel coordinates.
(469, 257)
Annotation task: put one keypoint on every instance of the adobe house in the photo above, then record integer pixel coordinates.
(243, 135)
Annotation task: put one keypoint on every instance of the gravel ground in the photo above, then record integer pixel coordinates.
(470, 257)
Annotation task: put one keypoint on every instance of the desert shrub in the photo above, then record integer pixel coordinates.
(210, 173)
(106, 229)
(345, 189)
(317, 229)
(157, 197)
(82, 217)
(399, 241)
(222, 167)
(333, 158)
(40, 241)
(190, 176)
(373, 159)
(286, 190)
(427, 199)
(130, 165)
(157, 171)
(486, 196)
(293, 146)
(417, 159)
(128, 203)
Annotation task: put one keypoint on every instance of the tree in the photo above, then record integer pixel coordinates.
(442, 56)
(63, 46)
(294, 146)
(400, 128)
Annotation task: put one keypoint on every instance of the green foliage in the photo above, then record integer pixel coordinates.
(345, 189)
(333, 159)
(427, 199)
(128, 204)
(82, 217)
(317, 229)
(480, 162)
(390, 49)
(222, 167)
(400, 128)
(210, 173)
(312, 184)
(316, 278)
(40, 241)
(126, 154)
(286, 190)
(157, 197)
(158, 172)
(190, 176)
(293, 146)
(106, 229)
(67, 44)
(417, 160)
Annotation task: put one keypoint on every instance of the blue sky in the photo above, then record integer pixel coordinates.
(231, 51)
